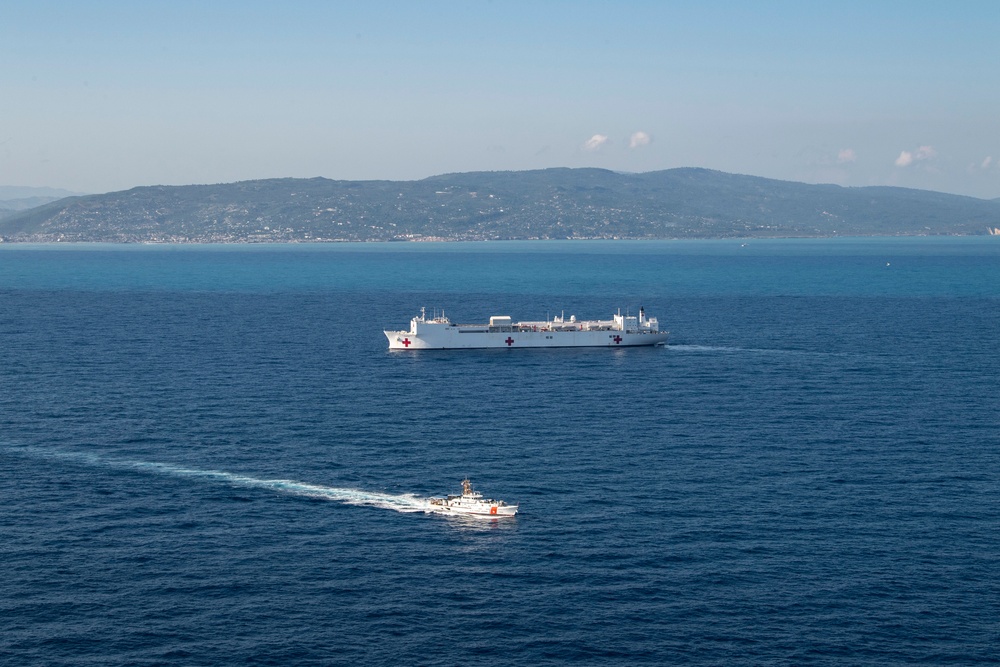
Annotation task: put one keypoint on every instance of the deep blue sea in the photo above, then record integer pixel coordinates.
(209, 457)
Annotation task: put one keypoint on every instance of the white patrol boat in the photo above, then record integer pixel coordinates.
(439, 333)
(470, 503)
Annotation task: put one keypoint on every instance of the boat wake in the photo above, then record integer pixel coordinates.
(398, 503)
(705, 348)
(748, 350)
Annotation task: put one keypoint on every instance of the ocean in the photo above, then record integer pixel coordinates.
(209, 456)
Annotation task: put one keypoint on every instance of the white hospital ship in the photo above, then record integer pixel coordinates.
(439, 333)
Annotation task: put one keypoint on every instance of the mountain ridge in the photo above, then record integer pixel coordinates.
(686, 202)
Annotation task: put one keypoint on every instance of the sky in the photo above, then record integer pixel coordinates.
(102, 96)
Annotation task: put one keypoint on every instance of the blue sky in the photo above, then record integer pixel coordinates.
(100, 96)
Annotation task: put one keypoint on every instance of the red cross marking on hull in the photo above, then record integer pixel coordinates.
(509, 341)
(406, 342)
(617, 339)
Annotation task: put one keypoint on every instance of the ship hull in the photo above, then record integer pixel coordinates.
(506, 511)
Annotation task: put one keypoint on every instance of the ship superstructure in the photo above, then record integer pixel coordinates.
(439, 333)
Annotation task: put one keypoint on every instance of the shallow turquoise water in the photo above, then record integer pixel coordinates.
(954, 266)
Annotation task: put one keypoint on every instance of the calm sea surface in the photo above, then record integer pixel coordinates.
(209, 457)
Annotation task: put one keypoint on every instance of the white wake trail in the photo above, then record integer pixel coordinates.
(400, 503)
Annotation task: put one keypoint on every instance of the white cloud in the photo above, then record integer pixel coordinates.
(639, 139)
(906, 158)
(987, 162)
(846, 155)
(595, 142)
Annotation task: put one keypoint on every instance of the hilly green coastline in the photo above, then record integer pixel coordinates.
(542, 204)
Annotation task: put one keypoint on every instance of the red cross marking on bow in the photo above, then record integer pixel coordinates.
(406, 342)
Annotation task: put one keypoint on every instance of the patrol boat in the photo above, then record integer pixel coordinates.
(439, 333)
(470, 503)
